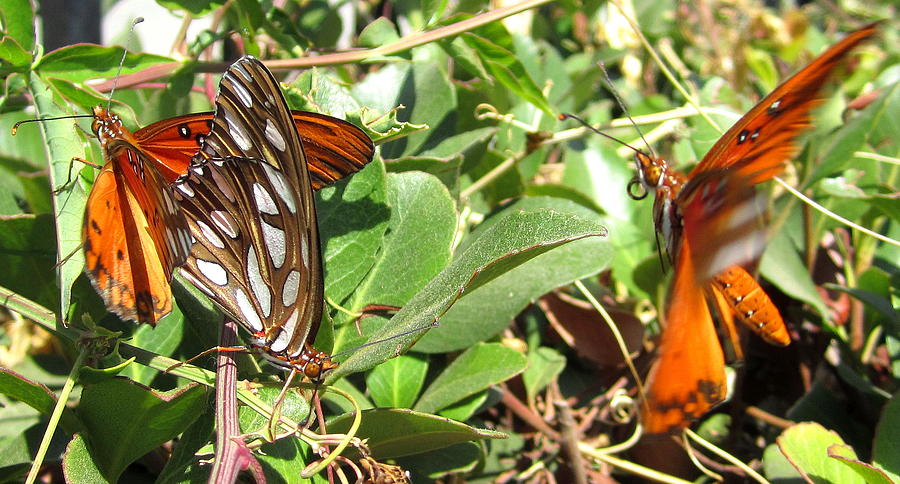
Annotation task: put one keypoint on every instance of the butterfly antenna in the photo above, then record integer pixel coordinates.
(122, 62)
(612, 90)
(434, 324)
(564, 116)
(15, 127)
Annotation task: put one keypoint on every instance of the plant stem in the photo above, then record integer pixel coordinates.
(55, 416)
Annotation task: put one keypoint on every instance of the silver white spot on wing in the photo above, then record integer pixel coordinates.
(287, 332)
(236, 130)
(213, 272)
(275, 243)
(274, 136)
(290, 289)
(264, 202)
(280, 184)
(243, 94)
(223, 185)
(196, 282)
(257, 285)
(304, 252)
(248, 312)
(186, 189)
(210, 235)
(225, 222)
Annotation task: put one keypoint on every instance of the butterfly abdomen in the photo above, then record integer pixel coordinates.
(751, 305)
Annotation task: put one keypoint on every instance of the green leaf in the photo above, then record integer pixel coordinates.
(544, 365)
(415, 249)
(17, 19)
(80, 62)
(62, 144)
(806, 447)
(851, 137)
(16, 419)
(118, 438)
(79, 465)
(508, 71)
(461, 457)
(321, 92)
(37, 396)
(27, 254)
(353, 216)
(399, 432)
(478, 368)
(464, 409)
(510, 284)
(869, 473)
(197, 8)
(782, 266)
(886, 448)
(13, 57)
(776, 466)
(513, 241)
(380, 32)
(397, 382)
(162, 339)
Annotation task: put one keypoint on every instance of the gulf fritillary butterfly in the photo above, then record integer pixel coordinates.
(708, 221)
(249, 201)
(134, 234)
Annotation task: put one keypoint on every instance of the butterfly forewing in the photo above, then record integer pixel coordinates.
(764, 139)
(250, 256)
(134, 234)
(250, 202)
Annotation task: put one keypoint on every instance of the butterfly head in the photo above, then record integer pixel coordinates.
(106, 125)
(651, 172)
(310, 362)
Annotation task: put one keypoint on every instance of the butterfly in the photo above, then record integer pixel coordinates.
(134, 234)
(709, 222)
(248, 198)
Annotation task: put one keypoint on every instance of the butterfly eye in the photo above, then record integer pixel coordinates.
(636, 189)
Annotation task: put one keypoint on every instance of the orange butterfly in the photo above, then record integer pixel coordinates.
(709, 223)
(134, 233)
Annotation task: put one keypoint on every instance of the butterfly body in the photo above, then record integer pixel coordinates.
(711, 222)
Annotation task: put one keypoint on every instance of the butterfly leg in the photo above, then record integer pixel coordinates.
(204, 353)
(69, 181)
